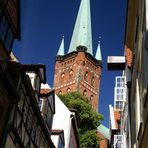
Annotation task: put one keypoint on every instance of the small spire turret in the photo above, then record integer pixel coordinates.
(98, 52)
(61, 50)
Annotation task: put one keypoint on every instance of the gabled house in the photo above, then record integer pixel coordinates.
(64, 124)
(114, 126)
(103, 134)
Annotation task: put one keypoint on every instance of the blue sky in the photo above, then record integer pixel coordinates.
(43, 23)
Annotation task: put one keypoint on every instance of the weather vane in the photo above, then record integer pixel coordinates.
(99, 39)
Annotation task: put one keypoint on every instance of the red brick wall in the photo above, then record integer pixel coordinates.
(79, 64)
(104, 143)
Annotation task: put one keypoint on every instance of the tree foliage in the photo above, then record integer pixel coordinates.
(88, 118)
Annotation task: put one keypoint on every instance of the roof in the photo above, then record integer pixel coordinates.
(61, 48)
(38, 68)
(128, 56)
(44, 91)
(98, 53)
(116, 117)
(103, 130)
(82, 34)
(56, 131)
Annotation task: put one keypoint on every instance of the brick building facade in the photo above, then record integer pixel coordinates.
(78, 71)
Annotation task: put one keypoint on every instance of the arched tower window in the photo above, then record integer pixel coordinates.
(60, 92)
(93, 81)
(68, 90)
(62, 77)
(86, 76)
(70, 74)
(91, 99)
(85, 93)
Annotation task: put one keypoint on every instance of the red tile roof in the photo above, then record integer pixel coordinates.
(44, 91)
(128, 56)
(116, 116)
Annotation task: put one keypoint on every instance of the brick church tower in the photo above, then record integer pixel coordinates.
(79, 70)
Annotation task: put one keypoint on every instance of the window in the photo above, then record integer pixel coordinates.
(120, 92)
(86, 76)
(120, 81)
(118, 141)
(60, 145)
(93, 81)
(70, 74)
(85, 93)
(40, 103)
(62, 77)
(68, 90)
(60, 92)
(91, 99)
(119, 105)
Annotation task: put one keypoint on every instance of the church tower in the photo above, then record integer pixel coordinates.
(79, 70)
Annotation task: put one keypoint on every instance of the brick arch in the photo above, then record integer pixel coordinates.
(86, 76)
(71, 73)
(85, 93)
(60, 92)
(68, 90)
(91, 99)
(62, 77)
(93, 81)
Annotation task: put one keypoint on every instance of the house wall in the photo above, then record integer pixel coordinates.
(103, 142)
(136, 40)
(72, 141)
(62, 119)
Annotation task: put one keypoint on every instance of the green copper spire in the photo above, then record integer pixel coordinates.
(98, 53)
(61, 48)
(82, 34)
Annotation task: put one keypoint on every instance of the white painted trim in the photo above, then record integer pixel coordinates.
(112, 118)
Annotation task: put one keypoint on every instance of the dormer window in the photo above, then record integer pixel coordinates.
(36, 74)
